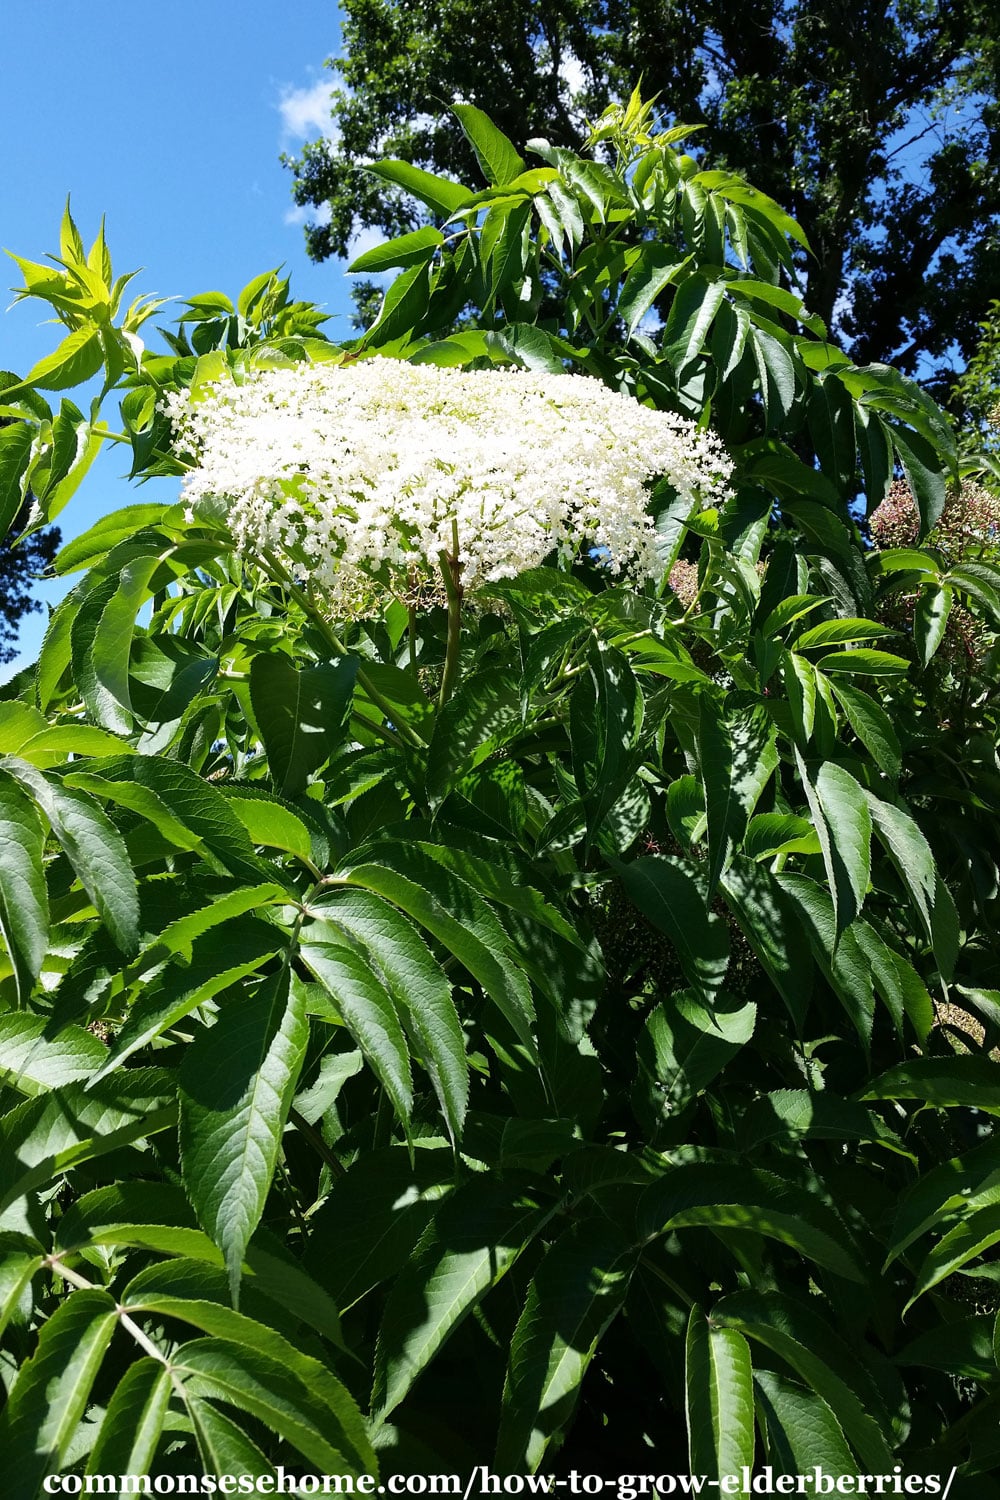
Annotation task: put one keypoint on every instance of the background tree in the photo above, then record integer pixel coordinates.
(20, 568)
(876, 123)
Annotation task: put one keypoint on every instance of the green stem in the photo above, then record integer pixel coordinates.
(451, 573)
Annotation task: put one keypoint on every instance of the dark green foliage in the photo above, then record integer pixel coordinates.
(520, 1067)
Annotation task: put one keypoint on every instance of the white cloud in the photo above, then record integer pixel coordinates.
(571, 74)
(300, 213)
(305, 112)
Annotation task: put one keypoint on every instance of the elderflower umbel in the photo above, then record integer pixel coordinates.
(358, 477)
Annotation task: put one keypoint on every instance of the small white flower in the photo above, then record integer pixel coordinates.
(356, 476)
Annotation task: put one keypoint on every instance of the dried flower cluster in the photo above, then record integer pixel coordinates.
(359, 477)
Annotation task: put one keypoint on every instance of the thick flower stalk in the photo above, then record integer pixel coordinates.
(364, 478)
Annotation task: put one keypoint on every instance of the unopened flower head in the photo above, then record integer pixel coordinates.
(359, 477)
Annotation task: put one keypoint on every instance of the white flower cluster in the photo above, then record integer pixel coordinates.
(360, 476)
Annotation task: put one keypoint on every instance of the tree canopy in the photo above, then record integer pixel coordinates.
(876, 123)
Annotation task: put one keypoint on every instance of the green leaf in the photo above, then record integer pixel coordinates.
(669, 894)
(472, 725)
(914, 861)
(576, 1293)
(718, 1398)
(95, 849)
(472, 1242)
(300, 714)
(24, 900)
(133, 1423)
(187, 810)
(695, 304)
(769, 922)
(155, 1291)
(721, 1197)
(15, 455)
(830, 414)
(216, 963)
(847, 849)
(360, 1002)
(223, 1446)
(53, 1388)
(872, 726)
(37, 1055)
(494, 152)
(776, 372)
(419, 988)
(810, 1346)
(925, 474)
(654, 269)
(976, 1234)
(930, 620)
(722, 810)
(83, 551)
(948, 1083)
(440, 194)
(605, 718)
(684, 1047)
(459, 918)
(837, 949)
(779, 833)
(832, 632)
(46, 1136)
(237, 1084)
(802, 1431)
(260, 1386)
(405, 250)
(78, 357)
(403, 307)
(366, 1230)
(954, 1185)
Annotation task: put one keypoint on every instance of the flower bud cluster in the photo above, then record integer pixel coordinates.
(359, 477)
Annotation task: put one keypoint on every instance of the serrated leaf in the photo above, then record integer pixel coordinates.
(810, 1346)
(459, 918)
(359, 1000)
(78, 357)
(948, 1083)
(577, 1291)
(133, 1423)
(801, 1429)
(474, 1239)
(849, 823)
(668, 893)
(24, 900)
(494, 152)
(94, 848)
(300, 714)
(406, 250)
(718, 1398)
(15, 454)
(53, 1388)
(872, 726)
(419, 988)
(237, 1084)
(259, 1385)
(37, 1055)
(440, 194)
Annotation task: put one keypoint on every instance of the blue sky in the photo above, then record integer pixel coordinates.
(170, 120)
